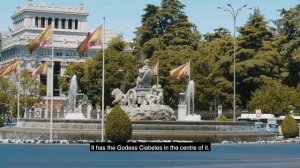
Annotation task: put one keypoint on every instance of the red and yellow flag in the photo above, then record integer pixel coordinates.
(42, 69)
(181, 71)
(154, 68)
(44, 38)
(10, 68)
(92, 39)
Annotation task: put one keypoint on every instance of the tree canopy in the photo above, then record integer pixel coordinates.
(163, 27)
(120, 72)
(267, 60)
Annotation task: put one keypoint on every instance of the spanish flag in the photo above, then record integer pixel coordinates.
(44, 38)
(42, 69)
(10, 68)
(92, 39)
(181, 71)
(154, 68)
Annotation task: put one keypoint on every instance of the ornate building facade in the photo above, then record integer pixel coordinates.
(70, 28)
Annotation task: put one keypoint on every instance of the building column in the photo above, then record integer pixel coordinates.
(79, 25)
(63, 66)
(26, 22)
(59, 23)
(39, 22)
(73, 24)
(46, 22)
(32, 22)
(83, 25)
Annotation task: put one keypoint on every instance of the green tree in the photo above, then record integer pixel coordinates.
(73, 68)
(120, 72)
(29, 91)
(29, 85)
(117, 44)
(7, 92)
(147, 31)
(42, 89)
(212, 72)
(219, 33)
(275, 98)
(256, 56)
(289, 28)
(167, 35)
(163, 27)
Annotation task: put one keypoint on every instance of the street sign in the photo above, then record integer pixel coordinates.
(37, 112)
(258, 113)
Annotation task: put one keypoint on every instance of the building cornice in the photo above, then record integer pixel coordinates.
(50, 9)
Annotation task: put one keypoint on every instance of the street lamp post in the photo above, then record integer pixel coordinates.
(234, 15)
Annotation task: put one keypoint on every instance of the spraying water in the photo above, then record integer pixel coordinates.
(72, 94)
(73, 113)
(190, 97)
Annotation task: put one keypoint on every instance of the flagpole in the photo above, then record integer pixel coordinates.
(189, 70)
(189, 92)
(103, 64)
(52, 80)
(157, 74)
(19, 85)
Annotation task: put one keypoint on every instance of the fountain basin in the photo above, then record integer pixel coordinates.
(205, 131)
(74, 116)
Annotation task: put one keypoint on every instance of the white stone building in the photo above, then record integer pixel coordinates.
(70, 28)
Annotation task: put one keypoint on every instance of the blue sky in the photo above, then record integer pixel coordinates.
(125, 15)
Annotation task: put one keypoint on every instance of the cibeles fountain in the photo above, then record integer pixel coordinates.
(151, 119)
(144, 102)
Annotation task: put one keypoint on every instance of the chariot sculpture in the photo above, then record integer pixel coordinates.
(143, 102)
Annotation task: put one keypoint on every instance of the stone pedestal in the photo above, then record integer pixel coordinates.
(98, 109)
(89, 111)
(182, 110)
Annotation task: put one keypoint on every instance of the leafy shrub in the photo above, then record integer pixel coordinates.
(290, 128)
(222, 117)
(118, 127)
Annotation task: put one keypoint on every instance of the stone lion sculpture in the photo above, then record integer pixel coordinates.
(120, 97)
